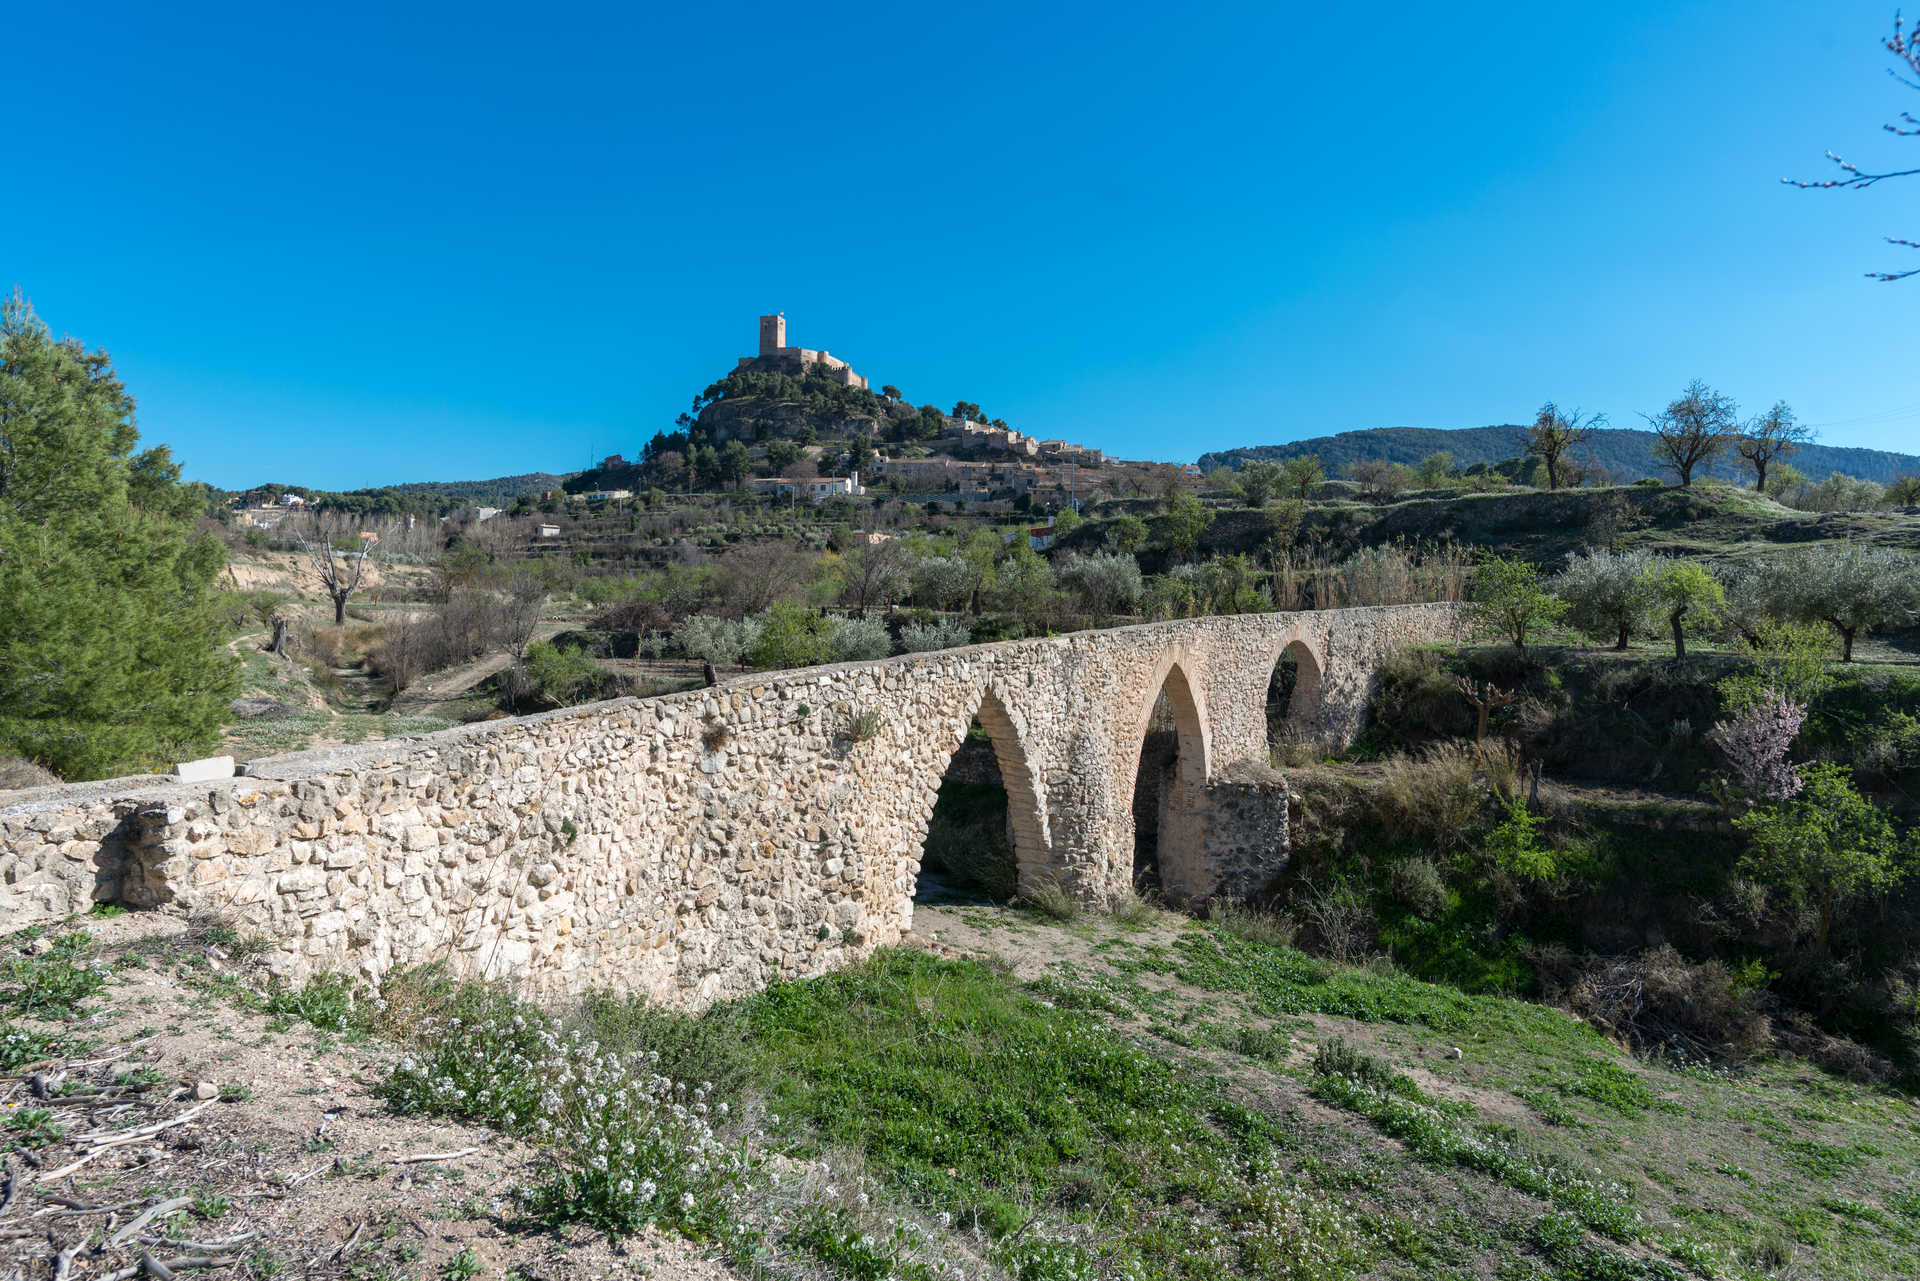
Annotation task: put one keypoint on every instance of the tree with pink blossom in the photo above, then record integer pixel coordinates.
(1756, 739)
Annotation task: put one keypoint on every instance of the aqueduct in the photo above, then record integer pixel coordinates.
(698, 845)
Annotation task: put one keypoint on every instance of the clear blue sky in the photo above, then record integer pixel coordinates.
(350, 246)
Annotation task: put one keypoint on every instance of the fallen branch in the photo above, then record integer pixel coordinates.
(63, 1261)
(346, 1246)
(204, 1247)
(433, 1156)
(159, 1209)
(110, 1138)
(165, 1268)
(101, 1146)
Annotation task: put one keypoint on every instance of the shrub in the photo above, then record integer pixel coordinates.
(563, 676)
(860, 639)
(724, 642)
(1790, 659)
(944, 633)
(1419, 697)
(1418, 886)
(1515, 848)
(1052, 901)
(1266, 928)
(1337, 1056)
(1103, 582)
(1338, 921)
(1435, 796)
(628, 1146)
(791, 635)
(708, 1050)
(1829, 847)
(1657, 1002)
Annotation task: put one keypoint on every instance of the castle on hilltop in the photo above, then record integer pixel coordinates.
(774, 351)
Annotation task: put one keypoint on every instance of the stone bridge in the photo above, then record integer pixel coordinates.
(699, 845)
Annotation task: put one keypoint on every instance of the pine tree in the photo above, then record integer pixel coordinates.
(110, 637)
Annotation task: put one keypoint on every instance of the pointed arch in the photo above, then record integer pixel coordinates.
(1182, 821)
(1032, 846)
(1026, 798)
(1303, 717)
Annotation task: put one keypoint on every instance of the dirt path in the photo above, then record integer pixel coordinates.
(274, 1136)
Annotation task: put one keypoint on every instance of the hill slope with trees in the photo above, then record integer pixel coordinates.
(1620, 453)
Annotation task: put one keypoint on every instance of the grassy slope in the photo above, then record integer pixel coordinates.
(1152, 1098)
(1152, 1102)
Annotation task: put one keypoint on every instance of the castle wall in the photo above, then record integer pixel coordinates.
(696, 846)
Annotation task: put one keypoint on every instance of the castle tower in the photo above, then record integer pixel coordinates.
(773, 333)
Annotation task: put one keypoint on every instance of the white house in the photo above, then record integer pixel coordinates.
(817, 489)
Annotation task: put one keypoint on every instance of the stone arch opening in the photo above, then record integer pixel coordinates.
(986, 836)
(1293, 697)
(1169, 785)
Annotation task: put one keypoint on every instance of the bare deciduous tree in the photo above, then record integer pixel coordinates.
(1693, 430)
(1773, 435)
(755, 575)
(875, 575)
(1904, 46)
(1554, 434)
(341, 573)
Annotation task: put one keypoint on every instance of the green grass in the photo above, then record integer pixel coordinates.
(1281, 980)
(1146, 1111)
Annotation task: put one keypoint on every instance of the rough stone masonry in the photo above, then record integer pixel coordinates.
(699, 845)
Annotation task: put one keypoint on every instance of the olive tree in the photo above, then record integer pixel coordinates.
(1259, 480)
(724, 642)
(943, 633)
(1103, 582)
(1754, 595)
(859, 639)
(1853, 588)
(944, 582)
(1609, 595)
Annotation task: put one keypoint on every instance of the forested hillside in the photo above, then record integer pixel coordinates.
(1624, 454)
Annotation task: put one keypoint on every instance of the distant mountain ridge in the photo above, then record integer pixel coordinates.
(500, 489)
(1625, 453)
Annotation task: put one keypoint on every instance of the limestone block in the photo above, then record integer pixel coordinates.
(204, 771)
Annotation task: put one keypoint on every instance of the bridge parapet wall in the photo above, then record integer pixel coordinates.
(689, 847)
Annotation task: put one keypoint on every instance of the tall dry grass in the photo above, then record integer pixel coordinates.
(1388, 575)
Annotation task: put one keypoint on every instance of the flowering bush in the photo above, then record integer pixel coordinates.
(1756, 741)
(632, 1148)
